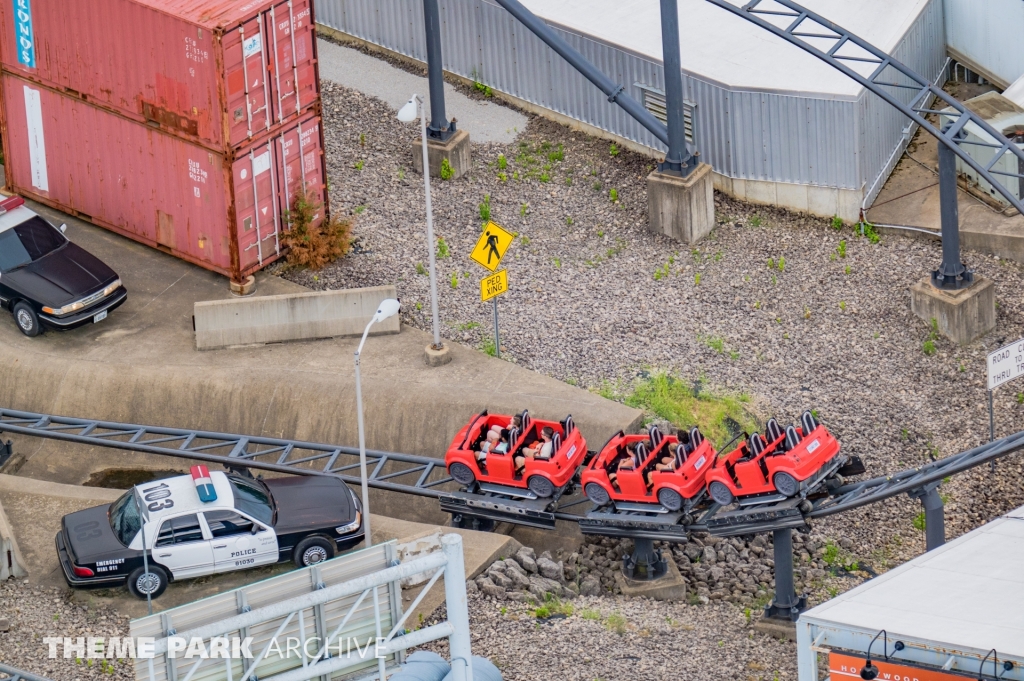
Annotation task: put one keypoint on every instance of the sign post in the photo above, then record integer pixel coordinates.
(1004, 365)
(490, 249)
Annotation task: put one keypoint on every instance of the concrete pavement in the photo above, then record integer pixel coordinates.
(484, 121)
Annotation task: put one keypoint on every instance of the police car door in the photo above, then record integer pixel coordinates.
(181, 547)
(239, 542)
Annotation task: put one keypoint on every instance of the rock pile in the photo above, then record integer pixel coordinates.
(526, 576)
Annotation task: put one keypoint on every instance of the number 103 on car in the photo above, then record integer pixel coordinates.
(494, 285)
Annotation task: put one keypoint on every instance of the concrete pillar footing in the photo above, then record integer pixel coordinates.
(457, 151)
(682, 207)
(437, 358)
(246, 288)
(670, 587)
(961, 315)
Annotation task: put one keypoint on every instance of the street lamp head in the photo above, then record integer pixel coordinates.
(407, 114)
(387, 308)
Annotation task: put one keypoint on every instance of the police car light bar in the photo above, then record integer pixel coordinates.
(11, 203)
(204, 484)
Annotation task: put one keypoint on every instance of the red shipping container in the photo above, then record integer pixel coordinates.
(221, 72)
(224, 212)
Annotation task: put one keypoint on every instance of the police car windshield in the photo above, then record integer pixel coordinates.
(253, 499)
(124, 518)
(30, 241)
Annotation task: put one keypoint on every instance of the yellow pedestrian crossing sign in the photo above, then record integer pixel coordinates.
(491, 247)
(494, 285)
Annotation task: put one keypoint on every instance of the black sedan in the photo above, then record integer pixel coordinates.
(45, 280)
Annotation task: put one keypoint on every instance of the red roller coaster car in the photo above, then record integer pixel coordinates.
(544, 478)
(678, 489)
(791, 463)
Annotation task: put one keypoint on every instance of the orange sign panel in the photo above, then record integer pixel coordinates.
(847, 667)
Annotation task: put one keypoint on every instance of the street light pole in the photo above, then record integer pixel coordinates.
(430, 228)
(387, 308)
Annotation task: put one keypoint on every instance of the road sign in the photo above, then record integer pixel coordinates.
(491, 247)
(494, 285)
(1005, 364)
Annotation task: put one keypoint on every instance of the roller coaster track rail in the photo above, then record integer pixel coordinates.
(427, 477)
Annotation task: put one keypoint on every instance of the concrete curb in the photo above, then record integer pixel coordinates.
(14, 483)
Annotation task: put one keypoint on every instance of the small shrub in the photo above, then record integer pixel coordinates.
(545, 177)
(613, 150)
(420, 269)
(503, 177)
(557, 155)
(782, 264)
(314, 246)
(613, 194)
(771, 263)
(485, 208)
(756, 221)
(842, 249)
(919, 522)
(847, 269)
(489, 347)
(928, 348)
(502, 162)
(615, 621)
(837, 222)
(447, 172)
(543, 612)
(868, 230)
(454, 281)
(484, 89)
(442, 248)
(419, 306)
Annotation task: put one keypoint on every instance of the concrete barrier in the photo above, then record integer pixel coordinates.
(290, 317)
(11, 562)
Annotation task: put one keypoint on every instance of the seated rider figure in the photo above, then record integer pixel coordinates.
(515, 422)
(488, 445)
(675, 461)
(630, 462)
(540, 451)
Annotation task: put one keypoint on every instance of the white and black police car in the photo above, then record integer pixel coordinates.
(207, 523)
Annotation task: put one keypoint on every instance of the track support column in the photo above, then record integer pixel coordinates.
(645, 563)
(678, 160)
(952, 274)
(785, 605)
(439, 128)
(934, 516)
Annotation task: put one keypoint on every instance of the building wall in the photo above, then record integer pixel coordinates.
(808, 153)
(985, 35)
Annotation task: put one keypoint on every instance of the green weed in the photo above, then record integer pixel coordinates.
(503, 177)
(360, 210)
(841, 250)
(485, 208)
(837, 222)
(568, 220)
(590, 614)
(615, 621)
(596, 186)
(442, 248)
(696, 279)
(756, 221)
(359, 165)
(557, 155)
(847, 269)
(362, 139)
(447, 172)
(613, 150)
(568, 181)
(483, 89)
(868, 230)
(502, 162)
(401, 173)
(613, 194)
(523, 210)
(419, 306)
(928, 347)
(468, 326)
(454, 281)
(558, 263)
(545, 178)
(842, 305)
(420, 269)
(782, 264)
(489, 347)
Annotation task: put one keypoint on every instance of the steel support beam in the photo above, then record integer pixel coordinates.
(646, 562)
(439, 128)
(678, 160)
(616, 93)
(952, 274)
(934, 516)
(785, 605)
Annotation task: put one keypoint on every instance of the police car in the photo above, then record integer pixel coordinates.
(45, 280)
(207, 523)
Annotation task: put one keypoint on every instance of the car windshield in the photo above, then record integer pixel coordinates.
(30, 241)
(125, 520)
(253, 499)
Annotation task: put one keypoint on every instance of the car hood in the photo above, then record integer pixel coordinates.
(62, 277)
(308, 502)
(88, 536)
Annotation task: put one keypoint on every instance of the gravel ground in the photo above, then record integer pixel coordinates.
(613, 638)
(597, 300)
(35, 613)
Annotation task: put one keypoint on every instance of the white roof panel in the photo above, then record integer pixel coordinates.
(721, 47)
(185, 497)
(967, 594)
(13, 218)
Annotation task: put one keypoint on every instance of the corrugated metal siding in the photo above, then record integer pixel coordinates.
(883, 128)
(765, 136)
(989, 34)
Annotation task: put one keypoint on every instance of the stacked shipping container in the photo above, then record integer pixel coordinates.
(188, 125)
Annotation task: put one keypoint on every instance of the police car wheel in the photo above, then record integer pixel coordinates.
(313, 551)
(152, 583)
(28, 321)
